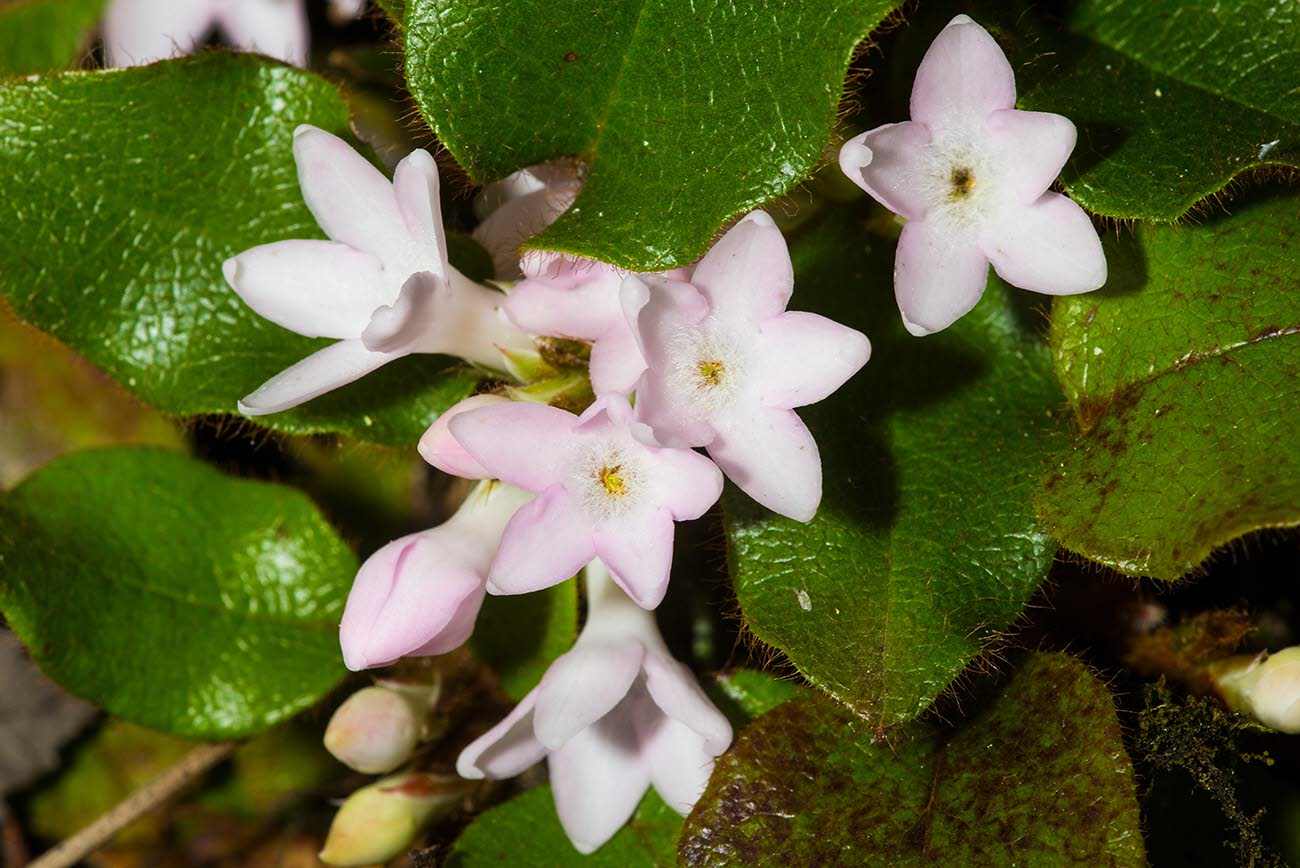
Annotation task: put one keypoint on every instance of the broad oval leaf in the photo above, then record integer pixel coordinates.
(40, 35)
(174, 596)
(1185, 377)
(1172, 99)
(1038, 776)
(926, 542)
(689, 113)
(119, 224)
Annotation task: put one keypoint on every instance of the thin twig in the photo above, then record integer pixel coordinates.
(191, 767)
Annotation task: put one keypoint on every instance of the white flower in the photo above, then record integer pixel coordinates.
(612, 717)
(137, 32)
(1266, 686)
(382, 286)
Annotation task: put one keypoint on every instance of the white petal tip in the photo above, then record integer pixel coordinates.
(584, 847)
(247, 409)
(760, 218)
(230, 268)
(961, 19)
(303, 128)
(916, 330)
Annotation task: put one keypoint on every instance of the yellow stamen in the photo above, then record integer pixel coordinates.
(612, 479)
(711, 372)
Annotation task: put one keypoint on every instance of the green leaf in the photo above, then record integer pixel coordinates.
(174, 596)
(40, 35)
(1172, 99)
(1184, 373)
(1038, 776)
(757, 692)
(394, 9)
(525, 832)
(651, 93)
(119, 224)
(926, 543)
(520, 636)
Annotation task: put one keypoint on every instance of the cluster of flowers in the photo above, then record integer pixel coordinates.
(713, 360)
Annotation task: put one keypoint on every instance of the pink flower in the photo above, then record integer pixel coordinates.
(728, 363)
(612, 717)
(600, 492)
(969, 172)
(137, 32)
(419, 595)
(382, 286)
(521, 205)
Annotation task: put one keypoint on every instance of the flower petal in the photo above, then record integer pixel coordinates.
(1034, 146)
(937, 277)
(773, 458)
(963, 77)
(679, 765)
(352, 200)
(506, 749)
(315, 288)
(409, 600)
(323, 371)
(518, 442)
(889, 162)
(638, 549)
(616, 361)
(400, 325)
(804, 357)
(415, 184)
(444, 451)
(747, 274)
(686, 482)
(677, 693)
(137, 32)
(272, 27)
(546, 542)
(521, 217)
(582, 686)
(583, 307)
(598, 779)
(1049, 247)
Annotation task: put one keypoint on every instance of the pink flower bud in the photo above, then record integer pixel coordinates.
(379, 822)
(377, 728)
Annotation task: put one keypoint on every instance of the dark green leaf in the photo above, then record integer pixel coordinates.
(525, 832)
(174, 596)
(519, 636)
(689, 113)
(1038, 776)
(119, 224)
(394, 9)
(1184, 373)
(756, 692)
(926, 541)
(41, 35)
(1173, 99)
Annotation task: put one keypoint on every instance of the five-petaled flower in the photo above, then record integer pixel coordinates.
(727, 363)
(970, 173)
(611, 717)
(382, 285)
(601, 491)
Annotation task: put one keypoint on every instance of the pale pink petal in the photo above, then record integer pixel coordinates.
(506, 749)
(546, 542)
(1049, 247)
(415, 184)
(137, 32)
(518, 442)
(663, 410)
(411, 599)
(675, 757)
(584, 310)
(616, 360)
(315, 288)
(890, 162)
(938, 277)
(444, 451)
(276, 28)
(773, 458)
(323, 371)
(678, 694)
(747, 274)
(638, 549)
(804, 357)
(1034, 146)
(518, 219)
(686, 482)
(352, 200)
(401, 324)
(598, 779)
(963, 77)
(657, 309)
(582, 686)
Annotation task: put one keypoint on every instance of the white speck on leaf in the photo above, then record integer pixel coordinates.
(1266, 147)
(805, 602)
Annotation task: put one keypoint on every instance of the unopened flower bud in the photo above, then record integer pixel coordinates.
(381, 821)
(1266, 686)
(377, 728)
